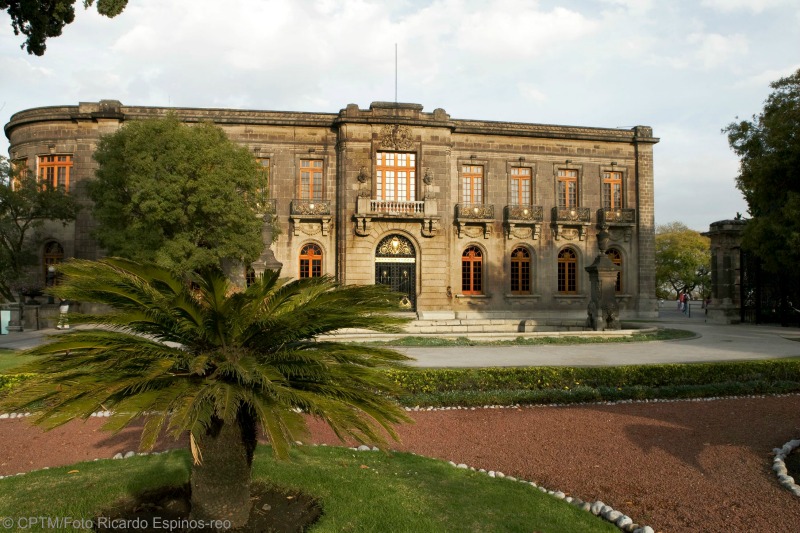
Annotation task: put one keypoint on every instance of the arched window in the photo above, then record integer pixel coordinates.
(616, 258)
(567, 271)
(472, 271)
(250, 276)
(520, 271)
(310, 261)
(53, 255)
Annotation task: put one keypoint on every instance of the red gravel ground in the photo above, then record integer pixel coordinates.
(678, 466)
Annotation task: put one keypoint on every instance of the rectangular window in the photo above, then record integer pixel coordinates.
(567, 278)
(311, 179)
(396, 176)
(55, 170)
(472, 184)
(567, 188)
(520, 186)
(612, 190)
(520, 271)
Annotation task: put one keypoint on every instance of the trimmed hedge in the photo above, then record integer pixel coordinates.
(503, 386)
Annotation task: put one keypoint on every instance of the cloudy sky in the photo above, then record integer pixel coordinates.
(685, 67)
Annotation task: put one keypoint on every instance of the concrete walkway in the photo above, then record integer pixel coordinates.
(712, 343)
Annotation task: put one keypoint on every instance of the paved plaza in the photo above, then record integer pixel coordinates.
(711, 343)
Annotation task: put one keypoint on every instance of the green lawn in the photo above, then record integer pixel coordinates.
(359, 491)
(10, 359)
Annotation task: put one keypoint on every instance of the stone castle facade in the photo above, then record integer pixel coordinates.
(467, 218)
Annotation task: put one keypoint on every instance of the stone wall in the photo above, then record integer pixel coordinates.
(348, 142)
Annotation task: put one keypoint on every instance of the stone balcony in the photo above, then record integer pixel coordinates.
(310, 214)
(570, 222)
(369, 209)
(474, 215)
(523, 221)
(619, 221)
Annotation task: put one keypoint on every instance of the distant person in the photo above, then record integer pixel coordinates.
(63, 319)
(686, 299)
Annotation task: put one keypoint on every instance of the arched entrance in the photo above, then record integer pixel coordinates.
(396, 266)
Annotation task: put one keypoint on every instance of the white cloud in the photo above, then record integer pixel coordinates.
(711, 50)
(530, 92)
(684, 69)
(754, 6)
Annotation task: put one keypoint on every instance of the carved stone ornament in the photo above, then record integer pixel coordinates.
(396, 137)
(570, 234)
(616, 234)
(362, 175)
(309, 228)
(520, 232)
(472, 231)
(428, 178)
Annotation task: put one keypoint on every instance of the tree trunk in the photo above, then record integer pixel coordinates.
(221, 483)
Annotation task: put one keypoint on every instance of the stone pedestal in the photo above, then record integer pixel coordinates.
(15, 323)
(603, 312)
(267, 259)
(603, 308)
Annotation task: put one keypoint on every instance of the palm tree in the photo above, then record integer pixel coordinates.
(202, 356)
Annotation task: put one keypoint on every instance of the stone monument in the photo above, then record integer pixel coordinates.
(603, 308)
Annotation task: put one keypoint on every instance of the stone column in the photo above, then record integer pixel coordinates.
(647, 304)
(726, 240)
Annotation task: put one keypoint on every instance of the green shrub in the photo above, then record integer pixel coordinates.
(503, 386)
(9, 381)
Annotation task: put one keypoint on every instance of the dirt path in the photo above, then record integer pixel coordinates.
(679, 466)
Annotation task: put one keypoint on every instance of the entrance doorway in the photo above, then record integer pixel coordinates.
(396, 266)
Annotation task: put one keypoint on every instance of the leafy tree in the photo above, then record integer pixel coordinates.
(40, 19)
(683, 260)
(768, 147)
(181, 196)
(25, 206)
(191, 354)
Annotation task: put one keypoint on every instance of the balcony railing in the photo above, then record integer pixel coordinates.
(525, 213)
(396, 207)
(616, 216)
(572, 215)
(267, 206)
(311, 207)
(307, 215)
(368, 209)
(474, 212)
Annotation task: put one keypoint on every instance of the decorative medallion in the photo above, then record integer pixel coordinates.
(395, 245)
(396, 137)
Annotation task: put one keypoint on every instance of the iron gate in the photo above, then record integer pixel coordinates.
(396, 266)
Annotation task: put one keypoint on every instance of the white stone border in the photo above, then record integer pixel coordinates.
(779, 466)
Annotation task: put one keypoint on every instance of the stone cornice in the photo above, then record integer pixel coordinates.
(378, 113)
